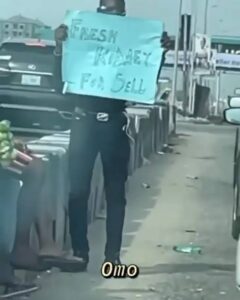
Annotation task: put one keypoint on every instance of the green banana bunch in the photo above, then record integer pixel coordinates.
(7, 151)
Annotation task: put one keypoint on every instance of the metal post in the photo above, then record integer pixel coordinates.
(191, 88)
(218, 92)
(185, 70)
(175, 70)
(206, 16)
(193, 96)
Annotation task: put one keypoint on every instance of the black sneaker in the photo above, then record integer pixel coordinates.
(113, 260)
(82, 258)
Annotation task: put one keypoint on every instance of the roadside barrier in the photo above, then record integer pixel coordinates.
(10, 188)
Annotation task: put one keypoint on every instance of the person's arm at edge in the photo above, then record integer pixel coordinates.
(162, 64)
(165, 44)
(57, 68)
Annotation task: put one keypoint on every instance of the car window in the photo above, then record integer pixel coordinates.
(19, 47)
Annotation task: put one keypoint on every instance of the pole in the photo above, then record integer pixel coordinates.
(218, 92)
(206, 16)
(175, 70)
(193, 96)
(191, 88)
(185, 70)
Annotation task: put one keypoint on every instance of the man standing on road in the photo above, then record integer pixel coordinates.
(99, 126)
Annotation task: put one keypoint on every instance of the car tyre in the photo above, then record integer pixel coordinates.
(235, 157)
(238, 264)
(235, 216)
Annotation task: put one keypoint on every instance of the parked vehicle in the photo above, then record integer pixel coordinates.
(232, 116)
(27, 92)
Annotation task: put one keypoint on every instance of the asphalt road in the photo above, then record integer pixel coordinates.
(177, 209)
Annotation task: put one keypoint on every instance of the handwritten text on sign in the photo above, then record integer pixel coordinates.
(111, 56)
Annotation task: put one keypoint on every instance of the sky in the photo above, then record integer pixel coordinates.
(223, 15)
(52, 11)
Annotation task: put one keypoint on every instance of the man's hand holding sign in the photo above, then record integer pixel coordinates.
(103, 60)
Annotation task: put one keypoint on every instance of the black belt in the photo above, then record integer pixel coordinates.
(99, 116)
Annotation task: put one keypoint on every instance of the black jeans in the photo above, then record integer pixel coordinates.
(88, 138)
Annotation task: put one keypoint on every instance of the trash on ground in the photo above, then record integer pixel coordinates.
(146, 186)
(160, 152)
(192, 177)
(199, 290)
(188, 249)
(222, 293)
(206, 157)
(152, 289)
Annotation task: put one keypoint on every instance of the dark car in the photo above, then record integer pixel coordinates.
(27, 91)
(236, 187)
(232, 116)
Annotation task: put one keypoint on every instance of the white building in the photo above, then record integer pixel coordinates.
(19, 26)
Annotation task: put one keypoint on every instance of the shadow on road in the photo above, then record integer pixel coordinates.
(186, 268)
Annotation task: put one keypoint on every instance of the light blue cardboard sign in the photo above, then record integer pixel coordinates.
(111, 56)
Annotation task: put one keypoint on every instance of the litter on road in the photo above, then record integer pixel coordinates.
(146, 185)
(198, 290)
(222, 293)
(188, 249)
(152, 289)
(192, 177)
(177, 153)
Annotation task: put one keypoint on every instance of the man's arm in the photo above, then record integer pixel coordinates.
(57, 73)
(60, 36)
(165, 43)
(162, 63)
